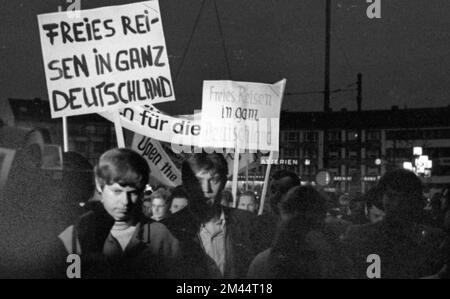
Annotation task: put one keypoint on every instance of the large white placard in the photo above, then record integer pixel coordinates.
(105, 59)
(246, 111)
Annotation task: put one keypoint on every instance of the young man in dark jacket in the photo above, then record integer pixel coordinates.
(215, 240)
(114, 240)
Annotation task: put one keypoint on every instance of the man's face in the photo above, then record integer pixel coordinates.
(147, 208)
(375, 214)
(120, 201)
(178, 203)
(210, 183)
(159, 208)
(247, 203)
(278, 188)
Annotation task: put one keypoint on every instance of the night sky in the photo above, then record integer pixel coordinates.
(404, 56)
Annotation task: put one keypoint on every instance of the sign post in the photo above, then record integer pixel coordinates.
(65, 135)
(241, 115)
(265, 186)
(246, 171)
(235, 173)
(119, 130)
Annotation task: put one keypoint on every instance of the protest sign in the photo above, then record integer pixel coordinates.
(148, 121)
(246, 111)
(6, 159)
(161, 166)
(182, 132)
(108, 58)
(241, 115)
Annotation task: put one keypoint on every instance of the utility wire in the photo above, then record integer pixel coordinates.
(345, 89)
(190, 40)
(223, 40)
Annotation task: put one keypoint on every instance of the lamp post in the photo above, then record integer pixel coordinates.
(421, 164)
(307, 163)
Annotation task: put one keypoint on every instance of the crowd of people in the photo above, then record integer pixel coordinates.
(196, 230)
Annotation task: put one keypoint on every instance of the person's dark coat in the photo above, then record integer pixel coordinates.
(413, 251)
(314, 253)
(195, 262)
(263, 231)
(150, 253)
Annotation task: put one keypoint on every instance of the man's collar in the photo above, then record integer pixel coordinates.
(222, 217)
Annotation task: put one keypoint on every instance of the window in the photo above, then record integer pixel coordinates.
(292, 136)
(99, 147)
(352, 135)
(81, 146)
(333, 154)
(352, 154)
(100, 130)
(311, 136)
(372, 171)
(352, 171)
(373, 153)
(291, 152)
(75, 130)
(333, 171)
(373, 135)
(334, 136)
(90, 130)
(310, 153)
(399, 153)
(405, 135)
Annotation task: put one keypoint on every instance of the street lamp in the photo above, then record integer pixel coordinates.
(377, 161)
(417, 151)
(408, 166)
(421, 164)
(307, 162)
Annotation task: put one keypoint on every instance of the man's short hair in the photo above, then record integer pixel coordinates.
(293, 181)
(124, 167)
(206, 161)
(161, 186)
(178, 191)
(162, 194)
(404, 193)
(374, 198)
(304, 200)
(279, 174)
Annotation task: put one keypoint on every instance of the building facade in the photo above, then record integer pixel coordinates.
(89, 135)
(354, 148)
(357, 148)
